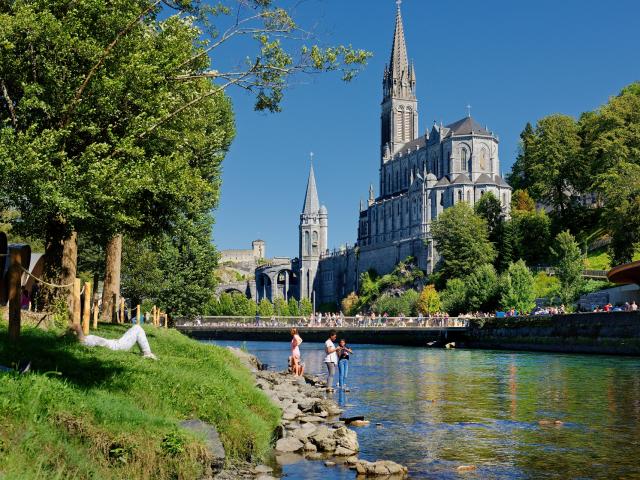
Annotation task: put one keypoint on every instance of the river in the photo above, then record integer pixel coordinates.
(440, 409)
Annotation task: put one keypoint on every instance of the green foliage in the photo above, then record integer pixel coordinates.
(265, 308)
(429, 300)
(454, 297)
(490, 209)
(462, 239)
(306, 307)
(232, 304)
(545, 286)
(281, 307)
(351, 304)
(569, 263)
(520, 176)
(405, 304)
(598, 260)
(621, 191)
(517, 288)
(531, 236)
(141, 277)
(293, 307)
(522, 201)
(482, 289)
(115, 414)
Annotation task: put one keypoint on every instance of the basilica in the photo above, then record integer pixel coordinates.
(420, 176)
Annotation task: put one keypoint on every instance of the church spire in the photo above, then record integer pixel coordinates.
(311, 202)
(399, 75)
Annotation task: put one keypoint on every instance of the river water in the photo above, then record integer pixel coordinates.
(440, 409)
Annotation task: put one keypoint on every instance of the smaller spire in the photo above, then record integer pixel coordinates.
(362, 209)
(372, 197)
(311, 202)
(469, 111)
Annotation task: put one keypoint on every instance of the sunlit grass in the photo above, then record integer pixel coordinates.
(93, 413)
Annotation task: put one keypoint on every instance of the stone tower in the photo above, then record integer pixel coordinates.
(259, 249)
(399, 117)
(313, 237)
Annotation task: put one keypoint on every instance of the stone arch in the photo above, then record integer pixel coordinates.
(287, 283)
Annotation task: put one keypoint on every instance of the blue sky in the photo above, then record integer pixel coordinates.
(513, 60)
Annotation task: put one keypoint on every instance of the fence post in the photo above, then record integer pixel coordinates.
(15, 294)
(121, 307)
(95, 314)
(166, 320)
(138, 314)
(76, 301)
(86, 314)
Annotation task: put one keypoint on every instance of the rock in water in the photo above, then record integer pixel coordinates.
(262, 469)
(466, 468)
(359, 423)
(289, 444)
(347, 439)
(381, 468)
(212, 441)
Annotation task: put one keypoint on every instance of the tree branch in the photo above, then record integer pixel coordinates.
(5, 93)
(103, 57)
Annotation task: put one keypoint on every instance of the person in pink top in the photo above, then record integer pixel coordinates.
(296, 340)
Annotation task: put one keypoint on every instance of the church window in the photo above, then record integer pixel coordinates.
(408, 124)
(441, 199)
(307, 244)
(504, 199)
(459, 195)
(468, 196)
(484, 156)
(463, 159)
(315, 243)
(400, 124)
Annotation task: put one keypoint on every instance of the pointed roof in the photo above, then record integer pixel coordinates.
(501, 181)
(462, 179)
(443, 182)
(399, 62)
(311, 202)
(467, 126)
(484, 179)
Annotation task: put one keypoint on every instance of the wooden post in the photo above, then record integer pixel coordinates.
(86, 314)
(153, 315)
(166, 320)
(138, 314)
(121, 317)
(95, 314)
(15, 294)
(76, 301)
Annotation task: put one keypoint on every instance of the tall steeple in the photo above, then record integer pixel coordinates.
(399, 103)
(311, 202)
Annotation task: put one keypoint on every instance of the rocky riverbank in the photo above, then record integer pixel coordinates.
(311, 427)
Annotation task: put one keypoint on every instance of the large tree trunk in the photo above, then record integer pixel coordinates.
(69, 267)
(111, 288)
(60, 262)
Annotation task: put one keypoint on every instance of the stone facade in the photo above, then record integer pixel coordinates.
(420, 176)
(257, 252)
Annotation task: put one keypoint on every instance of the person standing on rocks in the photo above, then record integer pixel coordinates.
(331, 359)
(296, 340)
(343, 364)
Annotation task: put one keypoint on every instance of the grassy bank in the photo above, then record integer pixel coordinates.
(93, 413)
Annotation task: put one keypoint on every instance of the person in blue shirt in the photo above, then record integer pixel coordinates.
(343, 363)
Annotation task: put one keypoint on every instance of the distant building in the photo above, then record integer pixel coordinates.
(257, 252)
(420, 176)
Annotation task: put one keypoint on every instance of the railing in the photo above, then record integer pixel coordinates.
(601, 274)
(345, 322)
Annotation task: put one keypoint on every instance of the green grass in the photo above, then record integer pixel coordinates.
(598, 259)
(93, 413)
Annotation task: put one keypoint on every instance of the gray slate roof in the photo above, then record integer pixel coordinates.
(311, 202)
(485, 179)
(501, 181)
(462, 179)
(467, 126)
(443, 182)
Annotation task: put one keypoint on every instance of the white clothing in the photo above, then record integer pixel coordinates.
(132, 336)
(331, 357)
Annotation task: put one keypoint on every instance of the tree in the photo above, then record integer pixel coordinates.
(482, 289)
(557, 163)
(142, 277)
(454, 297)
(490, 209)
(306, 307)
(517, 288)
(522, 201)
(350, 304)
(569, 264)
(294, 308)
(429, 301)
(113, 119)
(462, 239)
(281, 307)
(621, 190)
(532, 236)
(519, 178)
(265, 308)
(188, 259)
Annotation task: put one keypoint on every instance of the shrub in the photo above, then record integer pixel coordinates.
(351, 304)
(454, 297)
(517, 288)
(429, 301)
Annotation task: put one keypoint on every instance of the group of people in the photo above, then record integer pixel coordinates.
(627, 307)
(336, 357)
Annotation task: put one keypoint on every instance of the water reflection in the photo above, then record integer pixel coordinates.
(439, 409)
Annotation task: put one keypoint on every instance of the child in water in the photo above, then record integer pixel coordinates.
(343, 364)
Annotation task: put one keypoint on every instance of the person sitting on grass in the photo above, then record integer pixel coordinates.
(132, 336)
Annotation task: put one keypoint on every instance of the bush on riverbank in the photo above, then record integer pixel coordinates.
(94, 413)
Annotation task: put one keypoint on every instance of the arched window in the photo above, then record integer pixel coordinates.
(504, 200)
(315, 243)
(408, 124)
(306, 248)
(400, 124)
(459, 195)
(468, 196)
(463, 159)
